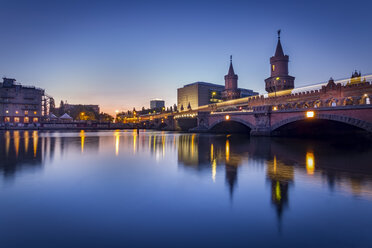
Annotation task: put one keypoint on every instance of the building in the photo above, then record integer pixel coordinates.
(20, 103)
(231, 90)
(157, 103)
(202, 93)
(279, 78)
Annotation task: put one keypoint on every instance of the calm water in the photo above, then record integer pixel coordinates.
(160, 189)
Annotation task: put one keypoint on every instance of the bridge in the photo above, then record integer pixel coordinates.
(342, 104)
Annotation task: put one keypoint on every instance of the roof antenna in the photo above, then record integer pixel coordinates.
(230, 58)
(279, 34)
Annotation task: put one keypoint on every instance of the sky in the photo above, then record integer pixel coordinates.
(121, 54)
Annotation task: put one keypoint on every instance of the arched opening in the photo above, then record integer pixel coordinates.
(163, 125)
(230, 126)
(348, 101)
(319, 128)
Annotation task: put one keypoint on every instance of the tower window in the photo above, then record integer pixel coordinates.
(273, 67)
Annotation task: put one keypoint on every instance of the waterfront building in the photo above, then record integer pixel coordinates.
(20, 103)
(231, 90)
(157, 103)
(202, 93)
(279, 78)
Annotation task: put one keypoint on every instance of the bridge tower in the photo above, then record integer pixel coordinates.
(279, 79)
(231, 84)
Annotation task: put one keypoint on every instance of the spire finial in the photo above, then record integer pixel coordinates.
(279, 34)
(230, 58)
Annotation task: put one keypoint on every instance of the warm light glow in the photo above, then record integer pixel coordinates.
(17, 112)
(7, 111)
(16, 119)
(227, 150)
(310, 163)
(278, 193)
(275, 108)
(117, 142)
(35, 120)
(214, 171)
(310, 114)
(82, 140)
(16, 142)
(214, 93)
(116, 111)
(227, 117)
(7, 142)
(277, 78)
(26, 138)
(35, 112)
(273, 67)
(134, 140)
(212, 152)
(35, 139)
(26, 120)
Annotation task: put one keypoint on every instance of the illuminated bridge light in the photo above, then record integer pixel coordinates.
(310, 114)
(227, 117)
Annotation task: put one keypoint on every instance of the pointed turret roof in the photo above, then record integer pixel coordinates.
(231, 68)
(279, 49)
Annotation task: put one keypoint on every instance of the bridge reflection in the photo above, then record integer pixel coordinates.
(344, 166)
(283, 159)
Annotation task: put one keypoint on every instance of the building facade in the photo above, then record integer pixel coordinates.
(20, 103)
(279, 78)
(157, 103)
(231, 90)
(202, 93)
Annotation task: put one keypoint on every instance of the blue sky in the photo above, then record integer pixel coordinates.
(121, 54)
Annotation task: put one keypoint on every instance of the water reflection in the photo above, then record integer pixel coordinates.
(344, 168)
(134, 184)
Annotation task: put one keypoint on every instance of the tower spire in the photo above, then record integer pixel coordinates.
(279, 49)
(231, 69)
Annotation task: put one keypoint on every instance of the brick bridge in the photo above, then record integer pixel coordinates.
(344, 103)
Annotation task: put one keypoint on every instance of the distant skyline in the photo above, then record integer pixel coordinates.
(121, 54)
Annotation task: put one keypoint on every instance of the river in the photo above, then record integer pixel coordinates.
(165, 189)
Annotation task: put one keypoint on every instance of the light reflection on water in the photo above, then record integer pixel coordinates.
(182, 179)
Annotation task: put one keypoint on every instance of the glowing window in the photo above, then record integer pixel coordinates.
(7, 111)
(16, 119)
(277, 78)
(273, 67)
(35, 112)
(275, 108)
(35, 119)
(26, 112)
(7, 119)
(26, 120)
(16, 112)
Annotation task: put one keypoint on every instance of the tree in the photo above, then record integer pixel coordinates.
(104, 117)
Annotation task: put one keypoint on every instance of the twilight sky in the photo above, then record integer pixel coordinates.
(121, 54)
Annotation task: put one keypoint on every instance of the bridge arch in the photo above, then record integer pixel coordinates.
(366, 126)
(223, 125)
